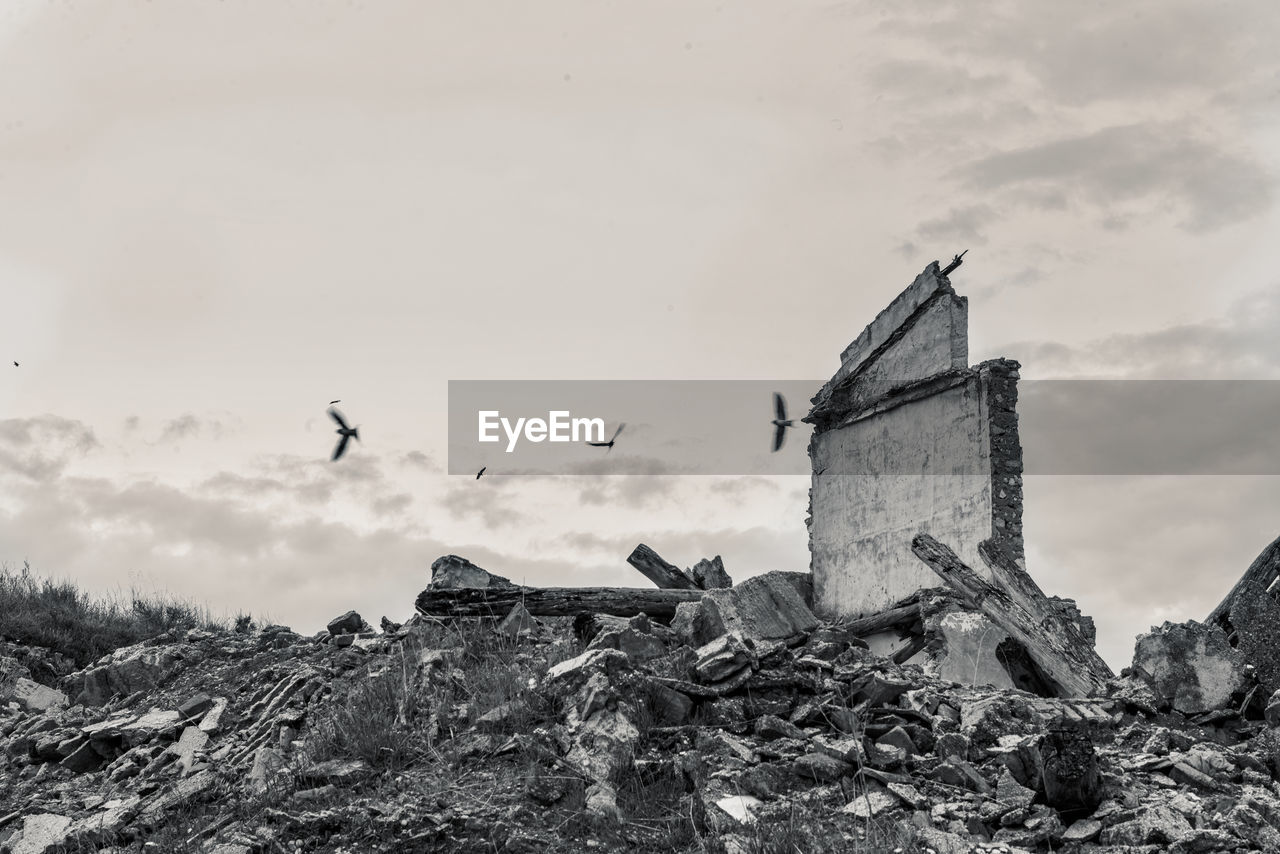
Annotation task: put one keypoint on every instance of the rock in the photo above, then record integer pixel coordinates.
(722, 658)
(349, 623)
(389, 626)
(192, 741)
(456, 573)
(710, 574)
(83, 758)
(195, 706)
(577, 670)
(1070, 779)
(637, 645)
(267, 762)
(1272, 714)
(968, 655)
(766, 607)
(820, 768)
(1084, 830)
(127, 671)
(741, 808)
(872, 804)
(898, 737)
(518, 620)
(35, 697)
(42, 833)
(770, 727)
(1156, 825)
(341, 772)
(1189, 666)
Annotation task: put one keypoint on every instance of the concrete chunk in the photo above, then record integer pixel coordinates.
(1189, 666)
(452, 572)
(767, 607)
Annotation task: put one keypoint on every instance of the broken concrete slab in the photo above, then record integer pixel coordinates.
(1189, 666)
(710, 574)
(766, 607)
(452, 572)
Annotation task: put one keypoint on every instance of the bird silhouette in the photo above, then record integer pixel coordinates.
(347, 433)
(332, 402)
(482, 468)
(781, 422)
(15, 364)
(608, 444)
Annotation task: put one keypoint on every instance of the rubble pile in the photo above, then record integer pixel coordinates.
(742, 721)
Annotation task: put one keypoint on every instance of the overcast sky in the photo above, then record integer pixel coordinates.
(215, 217)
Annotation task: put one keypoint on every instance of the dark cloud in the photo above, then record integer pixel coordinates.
(1146, 163)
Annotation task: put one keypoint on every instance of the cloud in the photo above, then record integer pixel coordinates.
(41, 448)
(479, 499)
(1239, 344)
(1149, 164)
(190, 426)
(963, 224)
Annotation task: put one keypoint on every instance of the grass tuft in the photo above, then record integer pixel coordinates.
(39, 611)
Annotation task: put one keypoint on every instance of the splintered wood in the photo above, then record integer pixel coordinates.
(1017, 605)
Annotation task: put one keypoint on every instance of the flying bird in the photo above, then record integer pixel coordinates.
(608, 444)
(332, 402)
(347, 433)
(482, 468)
(781, 422)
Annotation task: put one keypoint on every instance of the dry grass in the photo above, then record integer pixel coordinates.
(39, 611)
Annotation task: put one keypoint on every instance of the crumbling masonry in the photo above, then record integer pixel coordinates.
(908, 439)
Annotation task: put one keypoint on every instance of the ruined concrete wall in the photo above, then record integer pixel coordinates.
(908, 439)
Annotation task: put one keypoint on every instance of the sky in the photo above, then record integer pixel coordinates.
(216, 217)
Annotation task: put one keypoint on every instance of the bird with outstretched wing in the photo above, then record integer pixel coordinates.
(780, 422)
(347, 433)
(608, 444)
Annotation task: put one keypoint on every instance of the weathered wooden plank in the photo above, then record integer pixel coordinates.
(667, 576)
(1071, 665)
(1019, 584)
(1260, 575)
(892, 618)
(554, 601)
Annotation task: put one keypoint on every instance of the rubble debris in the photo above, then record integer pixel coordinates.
(736, 734)
(1069, 663)
(1189, 666)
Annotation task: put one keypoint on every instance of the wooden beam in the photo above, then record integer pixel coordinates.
(892, 618)
(554, 601)
(667, 576)
(1066, 660)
